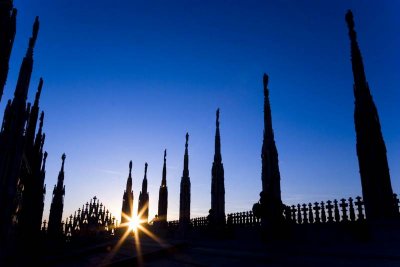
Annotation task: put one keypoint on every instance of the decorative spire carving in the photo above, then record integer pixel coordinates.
(371, 149)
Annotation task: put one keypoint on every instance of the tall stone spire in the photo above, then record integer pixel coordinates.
(8, 16)
(270, 175)
(371, 149)
(21, 90)
(217, 212)
(143, 209)
(184, 207)
(12, 139)
(127, 199)
(57, 204)
(163, 194)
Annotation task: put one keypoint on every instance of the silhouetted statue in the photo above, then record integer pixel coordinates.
(8, 16)
(143, 209)
(184, 204)
(163, 195)
(57, 204)
(127, 199)
(217, 181)
(270, 207)
(371, 149)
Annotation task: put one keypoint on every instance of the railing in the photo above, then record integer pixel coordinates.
(336, 211)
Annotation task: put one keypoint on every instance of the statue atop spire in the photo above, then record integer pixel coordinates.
(217, 212)
(371, 148)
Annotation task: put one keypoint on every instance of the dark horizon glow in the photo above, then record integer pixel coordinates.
(124, 80)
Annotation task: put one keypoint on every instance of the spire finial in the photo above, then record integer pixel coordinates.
(187, 140)
(145, 168)
(165, 155)
(130, 168)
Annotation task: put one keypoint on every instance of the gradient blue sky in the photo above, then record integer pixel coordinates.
(125, 79)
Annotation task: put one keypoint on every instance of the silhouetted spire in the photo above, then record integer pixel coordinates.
(217, 182)
(144, 184)
(217, 154)
(186, 158)
(129, 180)
(270, 175)
(8, 16)
(184, 204)
(163, 194)
(371, 149)
(57, 204)
(61, 174)
(21, 90)
(127, 199)
(164, 173)
(143, 209)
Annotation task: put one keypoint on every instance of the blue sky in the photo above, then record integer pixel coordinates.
(125, 79)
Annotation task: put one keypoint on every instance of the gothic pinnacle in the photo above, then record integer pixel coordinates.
(130, 168)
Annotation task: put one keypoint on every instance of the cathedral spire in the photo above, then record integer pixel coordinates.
(371, 149)
(217, 154)
(127, 199)
(217, 212)
(61, 174)
(129, 180)
(270, 175)
(8, 17)
(163, 194)
(21, 90)
(186, 159)
(184, 204)
(143, 209)
(57, 204)
(144, 184)
(164, 172)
